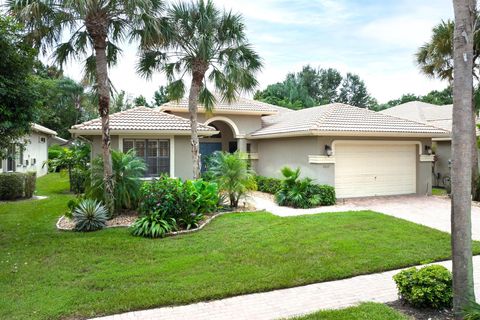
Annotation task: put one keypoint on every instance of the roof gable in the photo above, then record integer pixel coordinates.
(141, 119)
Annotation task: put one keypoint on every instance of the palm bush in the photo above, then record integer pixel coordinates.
(127, 171)
(232, 174)
(155, 224)
(90, 215)
(302, 193)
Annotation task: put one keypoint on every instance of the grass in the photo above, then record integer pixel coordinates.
(49, 274)
(365, 311)
(439, 192)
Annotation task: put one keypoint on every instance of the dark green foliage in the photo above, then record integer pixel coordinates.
(429, 287)
(90, 215)
(17, 95)
(472, 312)
(72, 205)
(312, 87)
(326, 194)
(155, 224)
(12, 185)
(78, 180)
(440, 98)
(127, 171)
(185, 202)
(268, 185)
(232, 174)
(30, 182)
(303, 193)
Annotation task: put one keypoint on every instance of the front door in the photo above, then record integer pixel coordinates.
(207, 149)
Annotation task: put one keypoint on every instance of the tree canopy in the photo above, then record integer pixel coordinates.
(17, 97)
(311, 87)
(440, 98)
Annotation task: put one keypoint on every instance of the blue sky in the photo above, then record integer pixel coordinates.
(373, 38)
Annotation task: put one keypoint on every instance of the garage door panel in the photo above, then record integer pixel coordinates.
(374, 169)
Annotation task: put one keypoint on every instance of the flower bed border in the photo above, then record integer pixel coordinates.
(170, 234)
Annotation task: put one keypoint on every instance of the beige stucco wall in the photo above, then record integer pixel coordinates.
(183, 158)
(97, 144)
(294, 152)
(443, 151)
(227, 135)
(34, 155)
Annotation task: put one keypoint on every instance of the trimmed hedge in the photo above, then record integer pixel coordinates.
(15, 185)
(326, 193)
(268, 185)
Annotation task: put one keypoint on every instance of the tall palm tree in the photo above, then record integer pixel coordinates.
(462, 148)
(435, 59)
(94, 28)
(210, 45)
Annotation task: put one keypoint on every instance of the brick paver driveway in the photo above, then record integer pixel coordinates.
(431, 211)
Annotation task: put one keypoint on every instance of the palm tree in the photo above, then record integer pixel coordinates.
(435, 59)
(95, 28)
(200, 41)
(462, 148)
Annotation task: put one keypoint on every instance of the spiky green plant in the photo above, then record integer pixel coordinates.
(127, 171)
(90, 215)
(232, 174)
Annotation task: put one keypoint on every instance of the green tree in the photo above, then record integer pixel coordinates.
(329, 83)
(120, 102)
(354, 92)
(17, 97)
(209, 45)
(141, 101)
(94, 28)
(160, 96)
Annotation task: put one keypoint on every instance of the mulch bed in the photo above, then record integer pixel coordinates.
(125, 219)
(421, 314)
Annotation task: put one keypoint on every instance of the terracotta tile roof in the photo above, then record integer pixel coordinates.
(337, 117)
(241, 105)
(142, 119)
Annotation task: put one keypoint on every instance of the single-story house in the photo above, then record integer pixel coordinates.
(360, 152)
(32, 155)
(434, 115)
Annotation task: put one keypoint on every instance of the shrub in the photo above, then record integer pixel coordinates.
(326, 194)
(78, 180)
(127, 171)
(90, 215)
(155, 224)
(302, 193)
(429, 287)
(72, 205)
(30, 182)
(16, 185)
(268, 185)
(11, 185)
(186, 202)
(234, 177)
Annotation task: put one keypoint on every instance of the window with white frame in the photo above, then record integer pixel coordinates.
(155, 152)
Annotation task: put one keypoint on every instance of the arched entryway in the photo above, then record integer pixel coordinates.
(226, 140)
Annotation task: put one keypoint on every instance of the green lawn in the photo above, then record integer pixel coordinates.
(49, 274)
(439, 192)
(365, 311)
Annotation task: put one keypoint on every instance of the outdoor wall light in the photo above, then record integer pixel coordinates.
(428, 150)
(328, 150)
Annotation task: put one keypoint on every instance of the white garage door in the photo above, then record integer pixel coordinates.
(363, 169)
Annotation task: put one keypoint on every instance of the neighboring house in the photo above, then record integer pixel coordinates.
(360, 152)
(57, 140)
(32, 155)
(438, 116)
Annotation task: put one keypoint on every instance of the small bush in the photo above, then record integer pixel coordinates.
(303, 193)
(155, 224)
(16, 185)
(429, 287)
(78, 180)
(30, 183)
(90, 215)
(72, 205)
(186, 202)
(268, 185)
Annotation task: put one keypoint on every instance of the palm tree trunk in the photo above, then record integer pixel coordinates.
(462, 148)
(99, 35)
(475, 189)
(197, 80)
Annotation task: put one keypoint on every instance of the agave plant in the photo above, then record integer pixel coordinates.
(90, 215)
